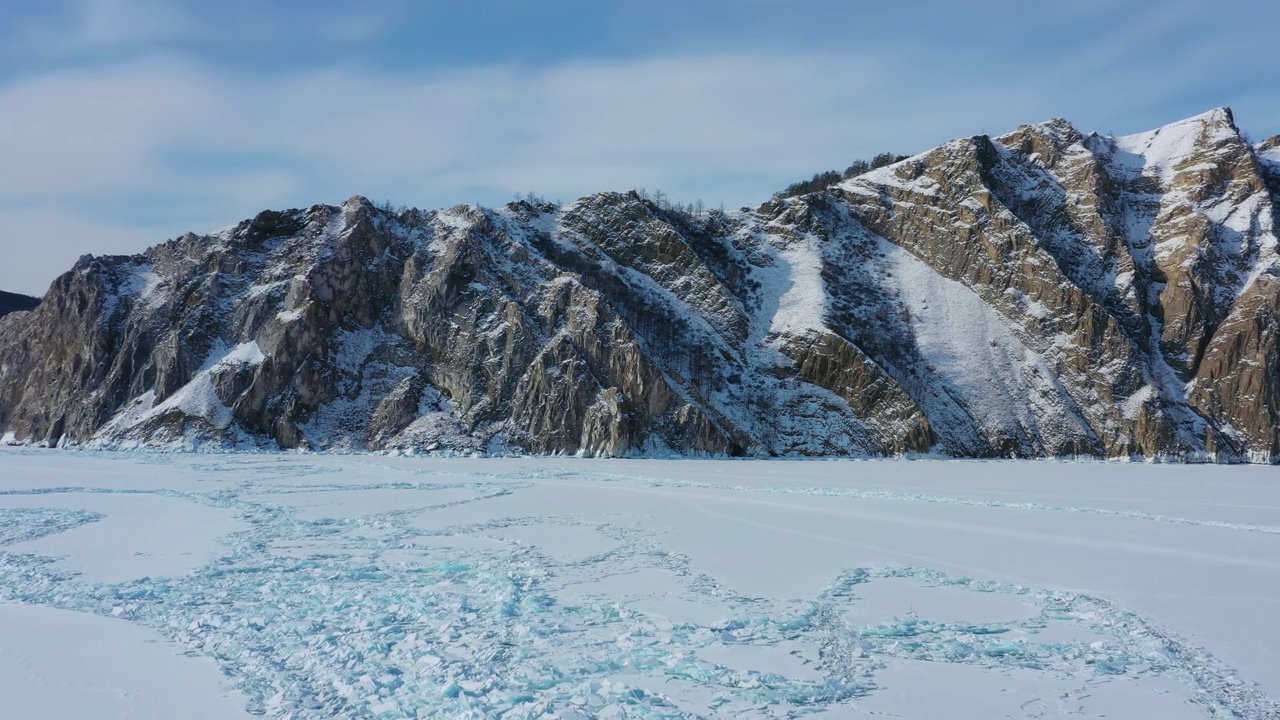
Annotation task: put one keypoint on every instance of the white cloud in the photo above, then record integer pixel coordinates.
(99, 130)
(721, 127)
(114, 23)
(93, 26)
(42, 243)
(363, 25)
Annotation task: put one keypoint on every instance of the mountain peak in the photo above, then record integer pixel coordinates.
(1197, 139)
(357, 202)
(1060, 127)
(1216, 116)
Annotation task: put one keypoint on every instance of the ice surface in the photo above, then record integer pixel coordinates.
(64, 664)
(131, 536)
(386, 587)
(965, 690)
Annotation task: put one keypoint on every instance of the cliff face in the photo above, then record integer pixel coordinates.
(1041, 293)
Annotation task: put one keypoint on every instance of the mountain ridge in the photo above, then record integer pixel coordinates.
(1041, 293)
(15, 302)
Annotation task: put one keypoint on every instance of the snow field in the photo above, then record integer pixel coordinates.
(377, 587)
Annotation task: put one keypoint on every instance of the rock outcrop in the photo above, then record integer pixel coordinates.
(1043, 293)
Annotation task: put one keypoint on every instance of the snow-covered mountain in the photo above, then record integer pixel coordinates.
(1041, 293)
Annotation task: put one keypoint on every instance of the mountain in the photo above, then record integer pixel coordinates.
(1042, 293)
(13, 302)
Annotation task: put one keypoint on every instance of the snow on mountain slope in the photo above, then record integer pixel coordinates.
(197, 400)
(1164, 152)
(1008, 389)
(796, 280)
(1045, 292)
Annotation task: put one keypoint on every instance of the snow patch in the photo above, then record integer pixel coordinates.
(198, 398)
(288, 316)
(142, 284)
(1132, 405)
(802, 298)
(1009, 389)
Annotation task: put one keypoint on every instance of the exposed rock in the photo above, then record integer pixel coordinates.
(1043, 293)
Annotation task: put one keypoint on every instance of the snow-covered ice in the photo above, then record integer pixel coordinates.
(64, 664)
(354, 586)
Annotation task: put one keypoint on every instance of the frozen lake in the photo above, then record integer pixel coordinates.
(313, 586)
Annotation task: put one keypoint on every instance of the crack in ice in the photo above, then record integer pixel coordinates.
(379, 618)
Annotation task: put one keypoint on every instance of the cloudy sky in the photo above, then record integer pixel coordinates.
(126, 122)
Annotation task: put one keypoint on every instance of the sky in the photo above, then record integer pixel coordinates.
(127, 122)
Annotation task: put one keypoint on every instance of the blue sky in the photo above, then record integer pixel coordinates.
(126, 122)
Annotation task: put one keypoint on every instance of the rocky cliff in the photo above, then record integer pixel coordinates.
(1043, 293)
